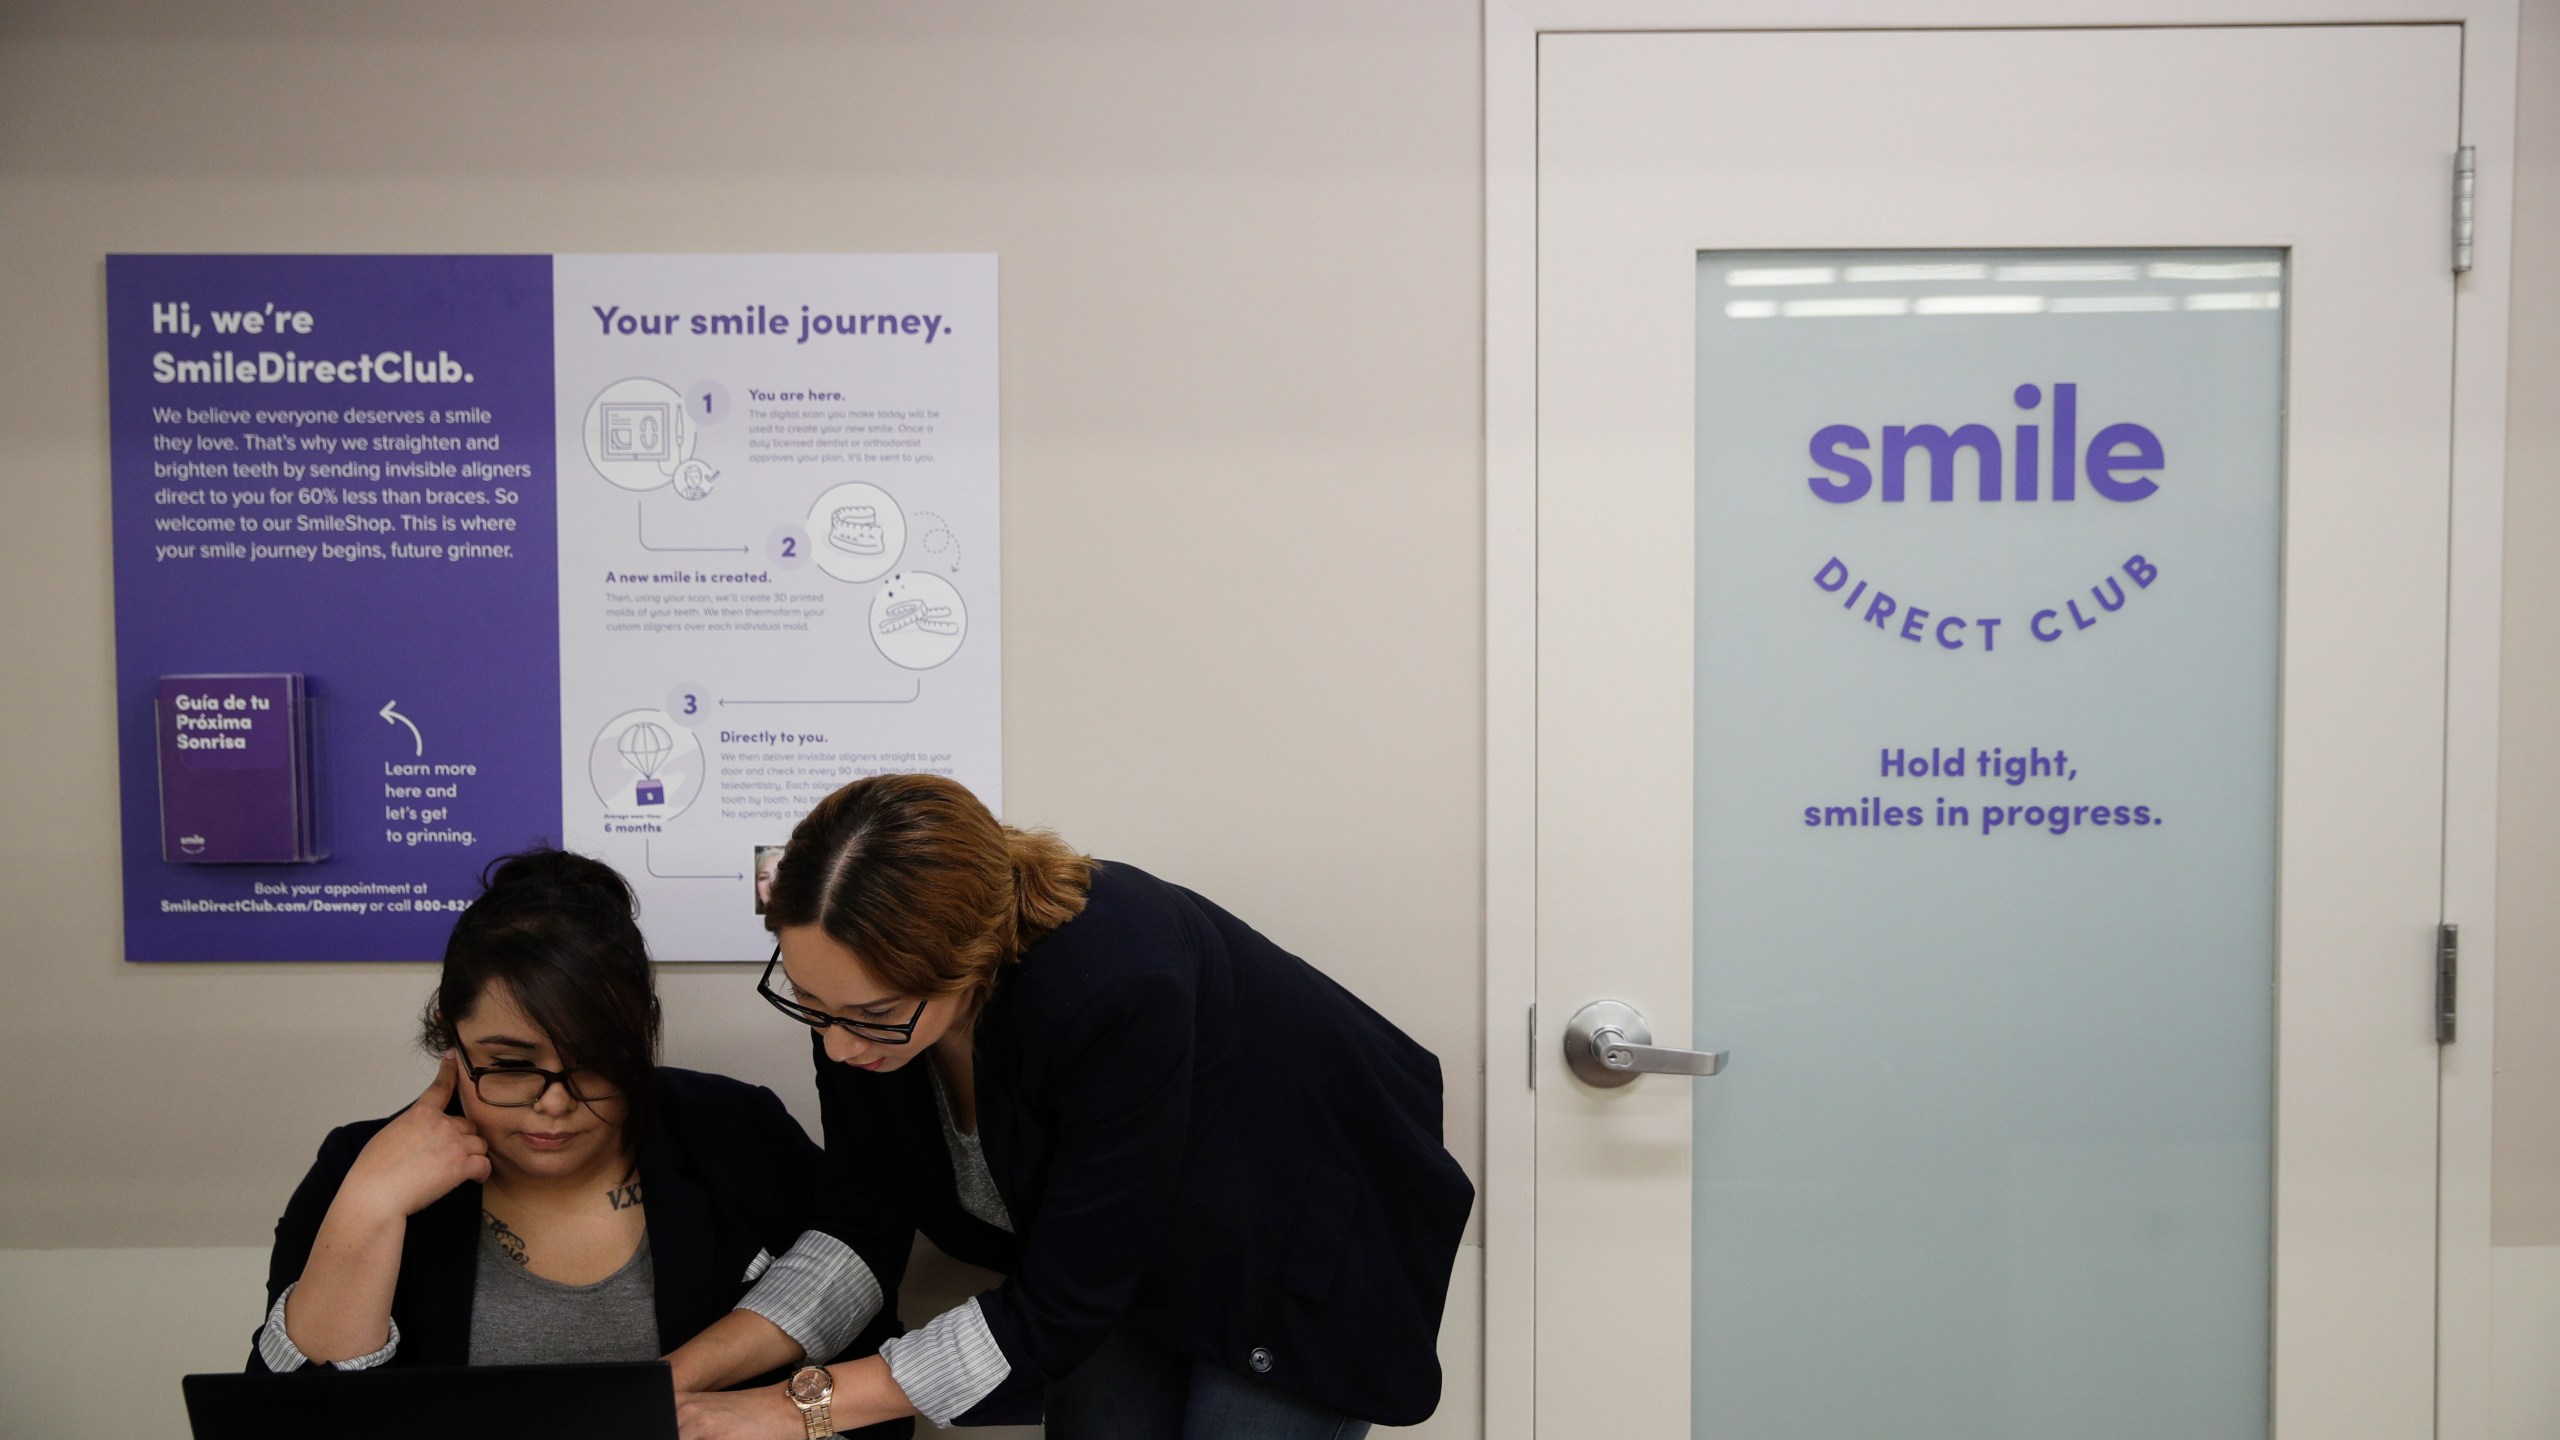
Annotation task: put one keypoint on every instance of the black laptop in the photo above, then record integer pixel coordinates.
(556, 1402)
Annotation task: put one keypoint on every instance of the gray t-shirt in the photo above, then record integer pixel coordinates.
(977, 1184)
(519, 1318)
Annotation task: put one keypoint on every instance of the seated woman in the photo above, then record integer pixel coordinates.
(555, 1195)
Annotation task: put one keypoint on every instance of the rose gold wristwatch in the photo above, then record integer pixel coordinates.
(813, 1388)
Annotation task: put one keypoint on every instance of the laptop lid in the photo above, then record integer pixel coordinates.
(559, 1402)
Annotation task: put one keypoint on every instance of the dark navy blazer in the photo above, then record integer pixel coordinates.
(726, 1173)
(1199, 1137)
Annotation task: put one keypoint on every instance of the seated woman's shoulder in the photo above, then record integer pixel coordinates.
(707, 1098)
(347, 1141)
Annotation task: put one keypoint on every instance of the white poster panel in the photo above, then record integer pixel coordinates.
(778, 557)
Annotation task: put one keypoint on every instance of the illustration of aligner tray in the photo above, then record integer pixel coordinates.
(931, 619)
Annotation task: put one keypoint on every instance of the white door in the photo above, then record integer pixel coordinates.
(1992, 512)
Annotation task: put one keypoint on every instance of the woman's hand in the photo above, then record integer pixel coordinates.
(420, 1156)
(341, 1307)
(764, 1413)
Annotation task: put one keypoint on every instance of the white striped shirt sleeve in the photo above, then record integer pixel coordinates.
(949, 1365)
(820, 1293)
(282, 1355)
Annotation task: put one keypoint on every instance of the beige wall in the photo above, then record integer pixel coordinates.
(2526, 1168)
(1241, 358)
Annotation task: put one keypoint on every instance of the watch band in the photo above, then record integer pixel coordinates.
(817, 1414)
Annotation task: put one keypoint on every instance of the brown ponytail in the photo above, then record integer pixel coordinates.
(926, 887)
(1049, 881)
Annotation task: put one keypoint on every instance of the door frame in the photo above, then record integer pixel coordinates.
(1512, 28)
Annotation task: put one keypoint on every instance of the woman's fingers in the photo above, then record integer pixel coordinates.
(440, 1089)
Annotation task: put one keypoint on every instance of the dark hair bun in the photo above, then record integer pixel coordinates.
(558, 932)
(556, 879)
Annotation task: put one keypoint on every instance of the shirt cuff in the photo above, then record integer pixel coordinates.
(820, 1293)
(949, 1365)
(282, 1355)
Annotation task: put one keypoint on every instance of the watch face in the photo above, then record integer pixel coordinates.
(812, 1385)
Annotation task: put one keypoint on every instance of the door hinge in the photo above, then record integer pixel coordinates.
(2465, 183)
(2448, 970)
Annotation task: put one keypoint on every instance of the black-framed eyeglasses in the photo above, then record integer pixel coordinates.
(876, 1031)
(515, 1084)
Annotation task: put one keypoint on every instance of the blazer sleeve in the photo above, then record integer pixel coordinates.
(1120, 1088)
(751, 1152)
(790, 1163)
(299, 1227)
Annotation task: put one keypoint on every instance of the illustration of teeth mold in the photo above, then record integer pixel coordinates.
(932, 619)
(856, 530)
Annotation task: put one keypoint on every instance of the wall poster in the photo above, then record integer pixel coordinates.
(422, 559)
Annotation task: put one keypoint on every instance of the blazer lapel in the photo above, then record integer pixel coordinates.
(684, 1230)
(999, 1130)
(1001, 1113)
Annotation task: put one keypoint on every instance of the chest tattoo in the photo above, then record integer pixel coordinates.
(508, 1240)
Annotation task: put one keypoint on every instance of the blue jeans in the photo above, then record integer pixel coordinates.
(1134, 1389)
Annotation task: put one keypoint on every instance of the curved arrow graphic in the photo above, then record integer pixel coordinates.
(394, 717)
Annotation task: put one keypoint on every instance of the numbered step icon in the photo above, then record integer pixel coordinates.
(788, 546)
(689, 705)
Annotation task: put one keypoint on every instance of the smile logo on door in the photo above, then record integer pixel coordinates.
(2122, 463)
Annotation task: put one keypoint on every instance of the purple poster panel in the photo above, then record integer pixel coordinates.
(340, 468)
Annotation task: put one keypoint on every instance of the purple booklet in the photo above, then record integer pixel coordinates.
(235, 770)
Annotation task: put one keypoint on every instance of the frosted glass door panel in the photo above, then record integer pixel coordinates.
(1987, 672)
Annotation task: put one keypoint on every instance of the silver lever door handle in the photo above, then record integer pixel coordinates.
(1608, 1044)
(1617, 1052)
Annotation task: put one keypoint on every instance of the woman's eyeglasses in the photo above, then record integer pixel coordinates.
(515, 1085)
(876, 1031)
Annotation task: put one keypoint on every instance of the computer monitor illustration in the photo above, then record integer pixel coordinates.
(636, 430)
